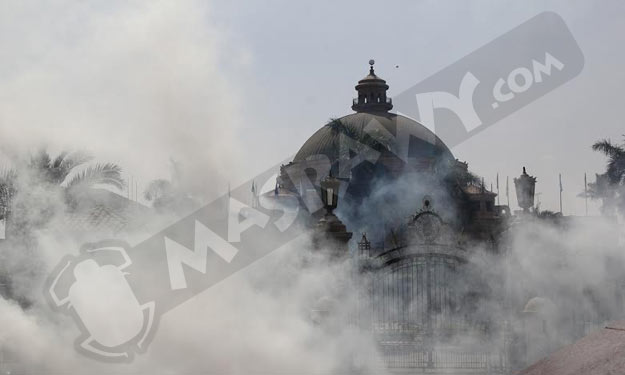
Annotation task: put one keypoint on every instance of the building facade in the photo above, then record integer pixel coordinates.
(418, 216)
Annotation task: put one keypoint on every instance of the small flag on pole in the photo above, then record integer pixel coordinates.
(507, 191)
(254, 195)
(586, 193)
(498, 188)
(561, 190)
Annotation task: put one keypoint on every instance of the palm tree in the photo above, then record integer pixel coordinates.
(29, 197)
(54, 175)
(56, 171)
(609, 186)
(7, 188)
(616, 160)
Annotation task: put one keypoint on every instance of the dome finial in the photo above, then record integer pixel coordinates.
(372, 94)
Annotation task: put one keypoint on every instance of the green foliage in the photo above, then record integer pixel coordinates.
(31, 195)
(99, 174)
(372, 139)
(7, 189)
(170, 196)
(55, 171)
(158, 189)
(609, 186)
(54, 174)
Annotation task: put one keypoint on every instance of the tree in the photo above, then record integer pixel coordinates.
(57, 171)
(42, 173)
(609, 186)
(616, 160)
(170, 196)
(157, 189)
(7, 190)
(30, 194)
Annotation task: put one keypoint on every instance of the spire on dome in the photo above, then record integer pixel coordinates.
(372, 94)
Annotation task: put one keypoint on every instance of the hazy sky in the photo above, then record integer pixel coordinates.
(234, 87)
(310, 55)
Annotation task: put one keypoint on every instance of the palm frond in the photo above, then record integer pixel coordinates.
(75, 159)
(99, 174)
(56, 163)
(615, 170)
(7, 188)
(56, 171)
(7, 175)
(608, 148)
(40, 161)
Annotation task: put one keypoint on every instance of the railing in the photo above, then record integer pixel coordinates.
(405, 355)
(388, 101)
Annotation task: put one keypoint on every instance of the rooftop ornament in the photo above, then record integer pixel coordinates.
(525, 186)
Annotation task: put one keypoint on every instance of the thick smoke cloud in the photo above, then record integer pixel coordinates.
(393, 202)
(547, 281)
(132, 83)
(262, 319)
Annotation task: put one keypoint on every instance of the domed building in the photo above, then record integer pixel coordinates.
(432, 249)
(420, 208)
(373, 149)
(391, 144)
(377, 154)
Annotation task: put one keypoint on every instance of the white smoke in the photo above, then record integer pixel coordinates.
(132, 83)
(259, 320)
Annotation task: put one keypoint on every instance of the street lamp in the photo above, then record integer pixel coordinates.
(330, 193)
(330, 233)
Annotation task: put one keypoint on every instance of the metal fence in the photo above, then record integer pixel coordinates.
(409, 356)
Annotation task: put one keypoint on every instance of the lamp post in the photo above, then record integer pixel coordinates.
(330, 193)
(330, 233)
(525, 187)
